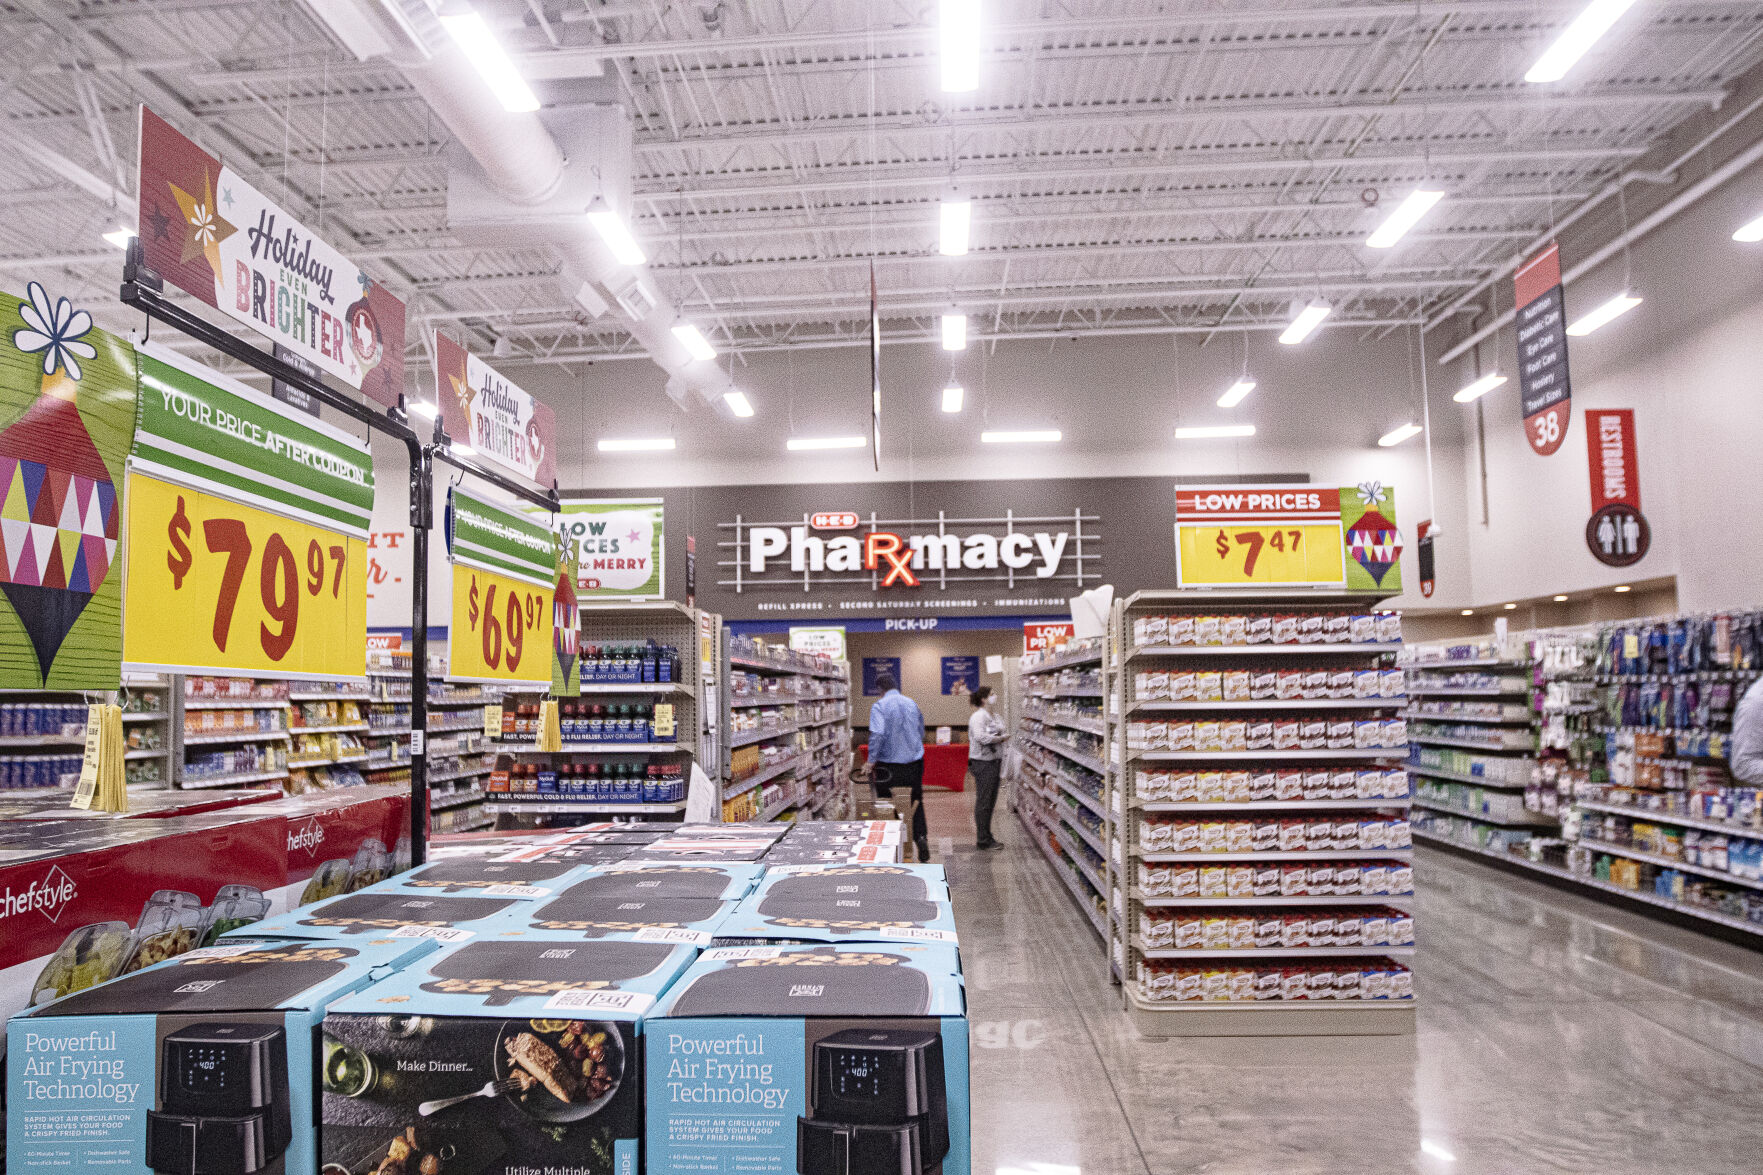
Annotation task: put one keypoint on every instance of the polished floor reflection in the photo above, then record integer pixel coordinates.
(1556, 1034)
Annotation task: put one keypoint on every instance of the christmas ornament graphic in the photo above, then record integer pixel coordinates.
(1372, 539)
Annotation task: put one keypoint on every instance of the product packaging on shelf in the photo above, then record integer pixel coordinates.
(551, 1027)
(393, 914)
(890, 907)
(820, 1060)
(203, 1064)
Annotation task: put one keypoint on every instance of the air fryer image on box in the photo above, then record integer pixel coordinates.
(490, 877)
(691, 921)
(876, 1102)
(499, 1057)
(383, 912)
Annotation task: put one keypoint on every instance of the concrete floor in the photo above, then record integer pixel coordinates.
(1556, 1034)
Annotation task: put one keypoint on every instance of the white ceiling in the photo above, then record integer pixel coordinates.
(1138, 166)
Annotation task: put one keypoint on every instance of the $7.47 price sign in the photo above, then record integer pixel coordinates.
(501, 628)
(217, 586)
(1296, 553)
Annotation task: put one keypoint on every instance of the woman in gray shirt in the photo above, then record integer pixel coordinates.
(986, 736)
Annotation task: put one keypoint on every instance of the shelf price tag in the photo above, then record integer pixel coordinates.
(214, 585)
(493, 721)
(501, 629)
(1301, 553)
(664, 721)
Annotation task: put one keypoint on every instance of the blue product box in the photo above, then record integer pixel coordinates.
(207, 1062)
(392, 914)
(800, 907)
(506, 873)
(810, 1059)
(550, 1027)
(808, 879)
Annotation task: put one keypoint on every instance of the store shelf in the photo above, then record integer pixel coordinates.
(752, 781)
(1529, 820)
(527, 748)
(234, 736)
(1271, 704)
(231, 780)
(1433, 740)
(1358, 952)
(1273, 805)
(1184, 1018)
(451, 800)
(1273, 756)
(158, 716)
(1529, 718)
(1475, 663)
(1726, 826)
(749, 737)
(1083, 834)
(1274, 855)
(1462, 777)
(1088, 655)
(294, 764)
(1598, 846)
(329, 696)
(147, 753)
(1082, 760)
(235, 703)
(344, 728)
(1263, 650)
(43, 740)
(1423, 690)
(506, 807)
(1089, 801)
(1087, 725)
(1083, 692)
(761, 665)
(1277, 900)
(634, 687)
(778, 807)
(1073, 885)
(1077, 858)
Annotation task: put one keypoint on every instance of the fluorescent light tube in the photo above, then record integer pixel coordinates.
(1405, 217)
(1214, 432)
(1610, 311)
(1560, 599)
(1397, 435)
(1621, 587)
(955, 220)
(425, 409)
(952, 397)
(738, 403)
(1750, 233)
(1427, 1145)
(798, 444)
(487, 56)
(635, 444)
(1468, 612)
(1479, 388)
(694, 341)
(1032, 436)
(121, 237)
(1309, 318)
(958, 45)
(1234, 394)
(1509, 607)
(1585, 31)
(615, 233)
(954, 332)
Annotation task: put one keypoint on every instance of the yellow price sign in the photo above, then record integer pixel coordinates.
(1261, 554)
(215, 586)
(501, 629)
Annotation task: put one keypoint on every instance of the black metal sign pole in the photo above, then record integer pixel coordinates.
(145, 291)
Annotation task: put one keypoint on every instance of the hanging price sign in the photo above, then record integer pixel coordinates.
(1261, 554)
(215, 586)
(1287, 536)
(504, 589)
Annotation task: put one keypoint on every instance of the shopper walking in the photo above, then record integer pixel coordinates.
(896, 749)
(986, 736)
(1746, 753)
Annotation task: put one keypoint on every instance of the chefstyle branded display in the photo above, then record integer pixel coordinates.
(517, 1053)
(200, 1066)
(824, 1060)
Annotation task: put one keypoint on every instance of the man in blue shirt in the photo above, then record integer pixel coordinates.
(896, 749)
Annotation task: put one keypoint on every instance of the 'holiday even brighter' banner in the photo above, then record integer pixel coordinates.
(486, 410)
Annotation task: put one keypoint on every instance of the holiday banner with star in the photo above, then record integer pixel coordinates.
(67, 418)
(482, 408)
(207, 231)
(618, 548)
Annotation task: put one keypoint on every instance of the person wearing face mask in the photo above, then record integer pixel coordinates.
(986, 737)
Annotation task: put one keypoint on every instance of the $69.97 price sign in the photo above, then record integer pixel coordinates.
(214, 585)
(501, 628)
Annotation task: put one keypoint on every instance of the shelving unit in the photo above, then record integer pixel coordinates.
(238, 727)
(1161, 697)
(786, 732)
(43, 754)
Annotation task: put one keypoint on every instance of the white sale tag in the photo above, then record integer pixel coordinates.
(633, 1002)
(795, 870)
(731, 953)
(690, 938)
(438, 933)
(516, 891)
(926, 935)
(227, 952)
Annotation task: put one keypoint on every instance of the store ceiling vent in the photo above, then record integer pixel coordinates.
(595, 141)
(635, 299)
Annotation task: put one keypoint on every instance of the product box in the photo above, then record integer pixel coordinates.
(925, 883)
(655, 901)
(204, 1064)
(817, 1060)
(508, 875)
(395, 915)
(809, 853)
(810, 906)
(502, 1056)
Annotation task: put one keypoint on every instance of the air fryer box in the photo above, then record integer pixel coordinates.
(811, 1060)
(383, 914)
(523, 875)
(653, 902)
(202, 1065)
(856, 879)
(550, 1027)
(839, 903)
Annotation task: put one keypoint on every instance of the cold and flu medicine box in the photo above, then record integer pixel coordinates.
(510, 1054)
(205, 1063)
(830, 1058)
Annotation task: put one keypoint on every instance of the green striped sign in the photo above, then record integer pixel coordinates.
(198, 428)
(499, 538)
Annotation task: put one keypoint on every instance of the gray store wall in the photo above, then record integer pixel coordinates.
(921, 667)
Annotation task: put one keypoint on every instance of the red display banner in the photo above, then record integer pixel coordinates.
(1046, 638)
(482, 408)
(207, 231)
(1544, 389)
(1617, 532)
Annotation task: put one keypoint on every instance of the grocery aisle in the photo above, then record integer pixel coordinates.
(1555, 1034)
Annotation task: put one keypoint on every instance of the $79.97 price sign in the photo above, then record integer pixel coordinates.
(501, 629)
(217, 586)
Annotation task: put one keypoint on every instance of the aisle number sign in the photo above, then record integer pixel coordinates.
(1287, 536)
(247, 532)
(504, 589)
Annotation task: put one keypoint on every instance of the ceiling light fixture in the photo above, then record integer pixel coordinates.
(635, 444)
(1405, 217)
(1234, 394)
(958, 45)
(1467, 612)
(954, 332)
(1214, 432)
(1032, 436)
(693, 340)
(955, 222)
(1476, 389)
(800, 444)
(612, 229)
(1560, 599)
(1621, 587)
(738, 403)
(121, 237)
(1750, 232)
(1397, 435)
(953, 394)
(487, 56)
(1429, 1147)
(425, 410)
(1585, 31)
(1610, 311)
(1509, 607)
(1306, 322)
